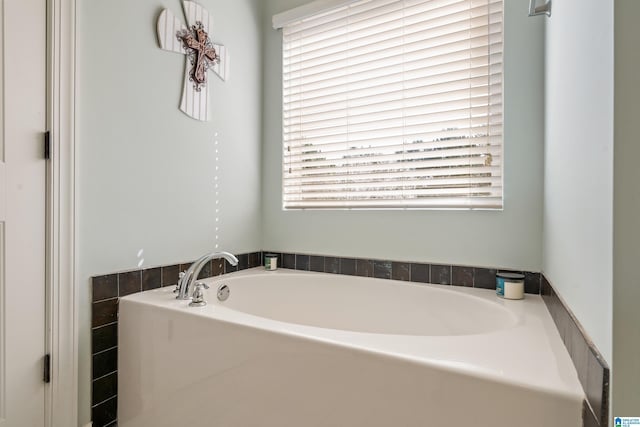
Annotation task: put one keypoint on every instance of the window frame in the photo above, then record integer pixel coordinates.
(322, 7)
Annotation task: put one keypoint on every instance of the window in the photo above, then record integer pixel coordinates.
(393, 104)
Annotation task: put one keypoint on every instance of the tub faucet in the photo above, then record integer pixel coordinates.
(191, 275)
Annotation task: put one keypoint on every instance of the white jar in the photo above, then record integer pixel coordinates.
(270, 262)
(510, 285)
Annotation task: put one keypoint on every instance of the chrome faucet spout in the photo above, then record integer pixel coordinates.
(191, 275)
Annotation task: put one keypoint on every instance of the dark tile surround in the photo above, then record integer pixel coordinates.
(592, 370)
(414, 272)
(104, 320)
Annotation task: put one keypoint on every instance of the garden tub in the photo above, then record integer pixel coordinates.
(301, 349)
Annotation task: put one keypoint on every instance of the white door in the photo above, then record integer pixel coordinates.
(22, 212)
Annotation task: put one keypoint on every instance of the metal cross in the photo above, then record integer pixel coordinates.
(205, 54)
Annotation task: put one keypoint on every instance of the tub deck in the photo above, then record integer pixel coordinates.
(221, 365)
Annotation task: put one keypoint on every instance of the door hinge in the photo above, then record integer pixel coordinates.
(47, 369)
(47, 145)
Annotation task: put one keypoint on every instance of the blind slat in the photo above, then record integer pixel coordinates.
(466, 126)
(389, 30)
(455, 156)
(397, 194)
(420, 64)
(367, 80)
(443, 140)
(401, 185)
(374, 174)
(445, 43)
(459, 105)
(446, 173)
(394, 104)
(414, 148)
(468, 202)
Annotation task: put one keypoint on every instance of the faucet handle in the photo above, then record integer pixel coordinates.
(180, 276)
(198, 295)
(202, 284)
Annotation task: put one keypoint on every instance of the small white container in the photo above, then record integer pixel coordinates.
(270, 262)
(510, 285)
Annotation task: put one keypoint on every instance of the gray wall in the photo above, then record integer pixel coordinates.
(146, 170)
(578, 208)
(626, 235)
(509, 238)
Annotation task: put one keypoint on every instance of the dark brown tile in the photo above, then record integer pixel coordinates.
(382, 269)
(228, 268)
(420, 272)
(104, 312)
(484, 278)
(348, 266)
(331, 265)
(561, 319)
(129, 282)
(462, 276)
(364, 267)
(604, 416)
(151, 278)
(105, 287)
(401, 271)
(289, 261)
(104, 363)
(255, 259)
(579, 353)
(170, 275)
(570, 330)
(207, 270)
(558, 312)
(595, 384)
(243, 261)
(588, 419)
(105, 413)
(217, 267)
(316, 263)
(441, 274)
(532, 283)
(104, 338)
(545, 290)
(185, 266)
(596, 380)
(104, 388)
(302, 262)
(548, 296)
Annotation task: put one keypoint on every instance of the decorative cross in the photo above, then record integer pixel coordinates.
(202, 55)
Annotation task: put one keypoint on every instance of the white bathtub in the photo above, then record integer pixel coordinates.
(295, 349)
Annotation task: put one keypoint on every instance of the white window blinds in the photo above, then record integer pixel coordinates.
(394, 104)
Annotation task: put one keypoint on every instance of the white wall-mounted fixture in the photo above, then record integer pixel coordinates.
(534, 10)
